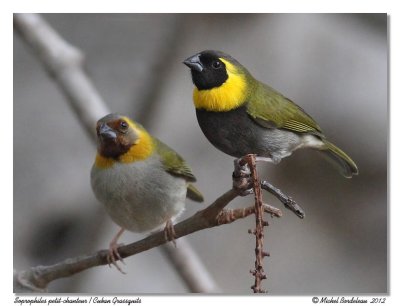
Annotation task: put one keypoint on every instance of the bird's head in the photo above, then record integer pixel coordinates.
(221, 81)
(122, 139)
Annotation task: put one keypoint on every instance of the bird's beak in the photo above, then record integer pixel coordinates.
(106, 132)
(194, 63)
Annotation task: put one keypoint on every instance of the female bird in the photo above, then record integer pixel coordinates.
(240, 115)
(141, 181)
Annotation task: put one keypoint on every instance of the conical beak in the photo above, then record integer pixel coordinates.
(194, 63)
(106, 132)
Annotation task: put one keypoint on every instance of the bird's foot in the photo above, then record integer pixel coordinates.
(169, 232)
(113, 254)
(241, 177)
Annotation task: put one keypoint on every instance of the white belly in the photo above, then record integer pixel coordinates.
(139, 197)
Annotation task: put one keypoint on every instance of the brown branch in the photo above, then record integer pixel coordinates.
(246, 181)
(227, 216)
(258, 271)
(38, 278)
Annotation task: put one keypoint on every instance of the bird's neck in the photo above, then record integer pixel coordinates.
(139, 151)
(103, 162)
(228, 96)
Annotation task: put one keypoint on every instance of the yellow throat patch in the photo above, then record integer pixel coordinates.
(226, 97)
(103, 162)
(142, 149)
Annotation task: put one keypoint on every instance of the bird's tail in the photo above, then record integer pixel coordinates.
(194, 194)
(348, 167)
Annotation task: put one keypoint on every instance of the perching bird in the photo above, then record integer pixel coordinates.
(141, 181)
(240, 115)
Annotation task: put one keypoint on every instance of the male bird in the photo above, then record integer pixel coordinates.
(240, 115)
(141, 181)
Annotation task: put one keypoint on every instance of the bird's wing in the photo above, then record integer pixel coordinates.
(271, 109)
(173, 163)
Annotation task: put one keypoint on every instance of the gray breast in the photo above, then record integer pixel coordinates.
(139, 196)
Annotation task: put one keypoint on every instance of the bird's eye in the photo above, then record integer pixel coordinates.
(123, 125)
(216, 64)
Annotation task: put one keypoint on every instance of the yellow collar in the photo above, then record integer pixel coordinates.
(141, 150)
(226, 97)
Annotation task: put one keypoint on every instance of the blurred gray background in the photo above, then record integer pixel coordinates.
(333, 65)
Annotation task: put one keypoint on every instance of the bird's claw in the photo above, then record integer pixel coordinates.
(241, 178)
(113, 256)
(169, 232)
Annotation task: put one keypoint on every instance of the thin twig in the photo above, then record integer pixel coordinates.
(286, 200)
